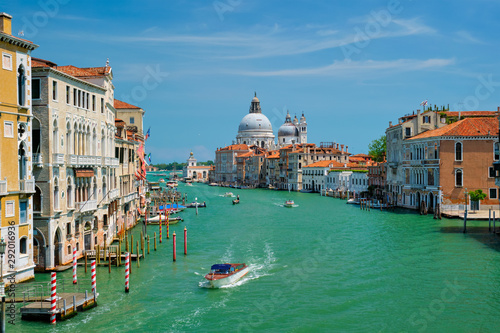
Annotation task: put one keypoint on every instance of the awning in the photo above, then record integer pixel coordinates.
(84, 172)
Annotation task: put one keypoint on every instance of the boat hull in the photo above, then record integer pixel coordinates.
(231, 279)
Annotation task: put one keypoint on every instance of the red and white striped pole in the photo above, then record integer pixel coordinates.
(160, 226)
(185, 241)
(53, 292)
(92, 270)
(127, 271)
(74, 266)
(174, 246)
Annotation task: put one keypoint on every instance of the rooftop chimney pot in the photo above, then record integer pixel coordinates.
(6, 23)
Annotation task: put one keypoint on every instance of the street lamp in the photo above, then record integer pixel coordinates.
(2, 285)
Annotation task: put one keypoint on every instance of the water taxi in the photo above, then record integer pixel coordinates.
(171, 220)
(289, 203)
(195, 204)
(225, 274)
(172, 184)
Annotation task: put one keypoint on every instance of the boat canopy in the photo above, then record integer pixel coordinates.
(171, 206)
(220, 267)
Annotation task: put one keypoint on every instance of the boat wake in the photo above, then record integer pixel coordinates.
(282, 205)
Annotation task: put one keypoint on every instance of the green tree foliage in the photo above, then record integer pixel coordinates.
(477, 195)
(377, 148)
(178, 166)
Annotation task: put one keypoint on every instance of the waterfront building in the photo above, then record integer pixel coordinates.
(377, 178)
(74, 121)
(17, 183)
(352, 178)
(314, 175)
(271, 166)
(133, 116)
(225, 163)
(294, 157)
(409, 126)
(255, 128)
(255, 175)
(292, 131)
(195, 172)
(449, 162)
(124, 198)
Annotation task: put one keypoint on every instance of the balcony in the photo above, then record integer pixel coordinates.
(58, 159)
(38, 160)
(72, 160)
(115, 193)
(86, 206)
(3, 187)
(111, 162)
(129, 197)
(27, 186)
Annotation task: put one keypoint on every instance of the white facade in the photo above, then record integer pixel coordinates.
(347, 180)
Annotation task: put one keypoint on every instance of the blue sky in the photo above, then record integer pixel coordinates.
(350, 66)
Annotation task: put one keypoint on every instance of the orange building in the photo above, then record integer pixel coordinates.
(444, 164)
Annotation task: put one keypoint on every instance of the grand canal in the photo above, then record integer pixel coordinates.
(322, 266)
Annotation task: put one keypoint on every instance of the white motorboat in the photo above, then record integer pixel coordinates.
(289, 203)
(225, 274)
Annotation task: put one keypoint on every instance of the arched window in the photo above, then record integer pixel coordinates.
(104, 187)
(459, 178)
(94, 143)
(68, 138)
(35, 135)
(55, 134)
(37, 200)
(69, 249)
(103, 144)
(21, 86)
(23, 245)
(458, 151)
(88, 146)
(22, 161)
(69, 193)
(56, 194)
(75, 140)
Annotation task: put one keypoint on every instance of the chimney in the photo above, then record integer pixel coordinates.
(400, 120)
(337, 146)
(346, 148)
(6, 23)
(418, 112)
(390, 124)
(342, 146)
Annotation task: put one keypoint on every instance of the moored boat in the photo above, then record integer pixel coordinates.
(236, 201)
(213, 184)
(226, 274)
(171, 220)
(199, 204)
(353, 201)
(289, 203)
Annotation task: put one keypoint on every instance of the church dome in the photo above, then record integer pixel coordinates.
(288, 129)
(255, 122)
(303, 118)
(255, 100)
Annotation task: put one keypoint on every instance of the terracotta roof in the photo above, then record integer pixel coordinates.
(235, 147)
(468, 127)
(361, 155)
(36, 62)
(325, 164)
(123, 105)
(200, 167)
(84, 72)
(247, 154)
(471, 113)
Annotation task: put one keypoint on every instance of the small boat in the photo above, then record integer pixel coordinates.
(189, 184)
(172, 184)
(225, 274)
(305, 191)
(213, 184)
(353, 201)
(199, 204)
(171, 220)
(162, 180)
(228, 194)
(236, 201)
(289, 203)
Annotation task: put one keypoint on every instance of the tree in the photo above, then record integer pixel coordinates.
(377, 148)
(477, 196)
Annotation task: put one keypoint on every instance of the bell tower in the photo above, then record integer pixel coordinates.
(303, 129)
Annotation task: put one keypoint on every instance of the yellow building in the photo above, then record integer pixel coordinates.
(17, 183)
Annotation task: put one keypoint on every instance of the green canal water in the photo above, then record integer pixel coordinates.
(323, 266)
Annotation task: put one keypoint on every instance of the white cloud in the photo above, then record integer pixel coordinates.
(348, 68)
(465, 36)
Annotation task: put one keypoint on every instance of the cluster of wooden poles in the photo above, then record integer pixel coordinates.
(140, 246)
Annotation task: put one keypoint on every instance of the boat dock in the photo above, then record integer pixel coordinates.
(37, 306)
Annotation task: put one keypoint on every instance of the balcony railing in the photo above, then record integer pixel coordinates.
(73, 160)
(37, 160)
(3, 187)
(129, 197)
(115, 193)
(58, 159)
(86, 206)
(27, 186)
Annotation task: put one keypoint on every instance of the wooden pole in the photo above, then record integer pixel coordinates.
(185, 241)
(148, 244)
(119, 259)
(155, 240)
(98, 254)
(137, 248)
(131, 244)
(126, 244)
(494, 223)
(85, 261)
(465, 222)
(109, 260)
(489, 220)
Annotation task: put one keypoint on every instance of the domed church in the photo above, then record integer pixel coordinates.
(255, 128)
(292, 132)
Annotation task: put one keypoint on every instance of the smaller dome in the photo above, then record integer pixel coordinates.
(288, 129)
(302, 119)
(191, 154)
(255, 100)
(295, 120)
